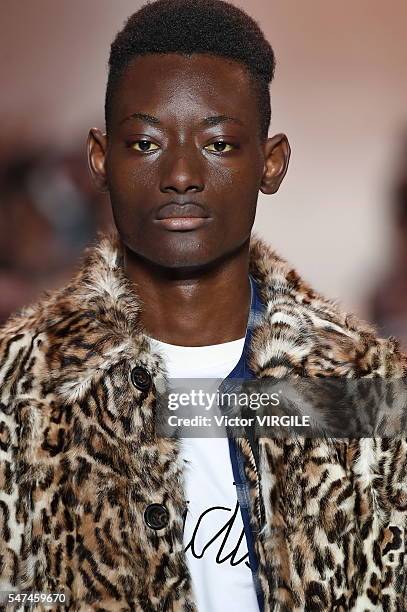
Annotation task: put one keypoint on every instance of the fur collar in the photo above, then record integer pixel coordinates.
(302, 333)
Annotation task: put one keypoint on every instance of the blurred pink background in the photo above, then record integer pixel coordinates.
(340, 94)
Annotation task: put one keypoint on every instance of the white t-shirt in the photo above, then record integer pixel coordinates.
(217, 558)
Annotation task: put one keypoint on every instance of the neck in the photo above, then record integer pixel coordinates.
(193, 308)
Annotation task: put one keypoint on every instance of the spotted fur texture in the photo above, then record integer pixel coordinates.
(80, 461)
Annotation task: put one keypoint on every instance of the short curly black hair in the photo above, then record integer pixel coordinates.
(195, 26)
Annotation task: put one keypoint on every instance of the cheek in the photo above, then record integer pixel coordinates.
(126, 179)
(131, 191)
(242, 177)
(236, 194)
(222, 178)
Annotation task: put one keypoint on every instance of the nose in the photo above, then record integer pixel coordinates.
(181, 173)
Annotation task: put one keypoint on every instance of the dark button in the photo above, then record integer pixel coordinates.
(156, 516)
(141, 378)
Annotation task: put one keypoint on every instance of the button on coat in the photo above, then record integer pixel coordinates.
(156, 516)
(141, 378)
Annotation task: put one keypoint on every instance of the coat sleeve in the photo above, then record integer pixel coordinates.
(382, 466)
(14, 498)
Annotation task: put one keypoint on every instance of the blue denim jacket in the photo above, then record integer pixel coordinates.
(242, 371)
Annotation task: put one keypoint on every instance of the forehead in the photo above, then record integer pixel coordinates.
(179, 86)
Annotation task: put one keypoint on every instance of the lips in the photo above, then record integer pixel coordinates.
(184, 217)
(189, 210)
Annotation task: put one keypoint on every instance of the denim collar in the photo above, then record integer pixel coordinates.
(256, 313)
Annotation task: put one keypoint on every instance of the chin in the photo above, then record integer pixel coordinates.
(182, 260)
(178, 251)
(184, 249)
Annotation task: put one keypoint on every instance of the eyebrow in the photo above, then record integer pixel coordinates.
(208, 121)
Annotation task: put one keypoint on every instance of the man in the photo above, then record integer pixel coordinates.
(93, 503)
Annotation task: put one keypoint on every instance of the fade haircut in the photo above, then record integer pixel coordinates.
(195, 26)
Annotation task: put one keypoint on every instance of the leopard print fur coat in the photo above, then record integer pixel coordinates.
(79, 461)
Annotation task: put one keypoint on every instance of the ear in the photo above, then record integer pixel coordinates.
(96, 147)
(277, 155)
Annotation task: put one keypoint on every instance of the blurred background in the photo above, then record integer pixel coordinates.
(340, 94)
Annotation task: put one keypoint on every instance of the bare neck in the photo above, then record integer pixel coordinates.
(193, 309)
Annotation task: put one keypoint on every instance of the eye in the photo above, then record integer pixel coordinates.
(145, 146)
(220, 147)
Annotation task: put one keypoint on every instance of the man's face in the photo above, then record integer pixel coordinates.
(185, 131)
